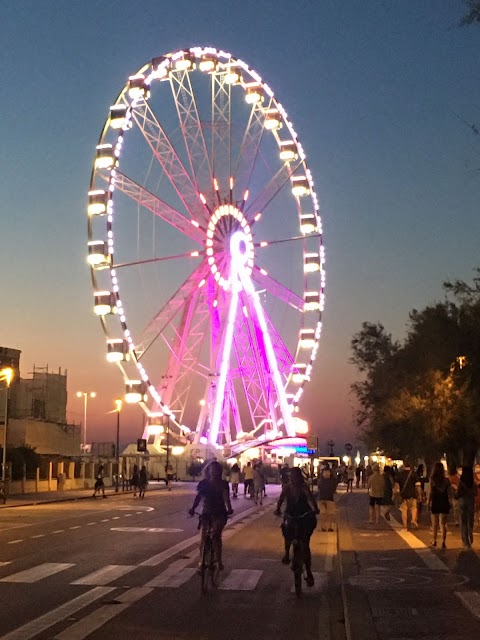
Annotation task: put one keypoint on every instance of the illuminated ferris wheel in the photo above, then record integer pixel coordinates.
(205, 250)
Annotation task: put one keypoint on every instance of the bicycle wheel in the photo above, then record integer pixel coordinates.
(297, 567)
(205, 565)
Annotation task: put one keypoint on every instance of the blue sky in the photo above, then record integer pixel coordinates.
(371, 87)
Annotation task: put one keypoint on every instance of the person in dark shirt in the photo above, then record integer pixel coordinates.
(214, 492)
(299, 502)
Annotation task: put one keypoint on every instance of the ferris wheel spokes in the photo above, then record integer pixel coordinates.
(169, 160)
(192, 130)
(221, 128)
(170, 309)
(249, 149)
(157, 206)
(265, 281)
(271, 189)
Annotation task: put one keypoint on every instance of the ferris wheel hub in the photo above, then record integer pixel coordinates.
(228, 236)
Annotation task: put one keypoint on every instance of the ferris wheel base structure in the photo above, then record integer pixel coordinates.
(205, 249)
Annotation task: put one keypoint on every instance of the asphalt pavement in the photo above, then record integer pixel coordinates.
(126, 568)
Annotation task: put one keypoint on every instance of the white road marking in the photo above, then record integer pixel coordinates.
(97, 619)
(126, 508)
(128, 515)
(162, 580)
(146, 529)
(116, 518)
(430, 559)
(168, 553)
(75, 527)
(89, 524)
(105, 520)
(39, 535)
(471, 600)
(241, 580)
(3, 564)
(33, 628)
(320, 582)
(59, 531)
(14, 541)
(106, 574)
(37, 573)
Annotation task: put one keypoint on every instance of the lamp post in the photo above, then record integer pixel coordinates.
(118, 408)
(7, 375)
(167, 465)
(85, 395)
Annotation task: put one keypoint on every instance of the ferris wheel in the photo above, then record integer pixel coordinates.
(205, 250)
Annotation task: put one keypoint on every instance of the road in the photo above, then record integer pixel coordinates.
(125, 568)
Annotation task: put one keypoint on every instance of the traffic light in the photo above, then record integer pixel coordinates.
(141, 445)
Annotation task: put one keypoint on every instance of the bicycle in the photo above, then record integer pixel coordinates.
(297, 563)
(209, 570)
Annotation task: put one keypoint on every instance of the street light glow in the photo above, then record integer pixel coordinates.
(7, 374)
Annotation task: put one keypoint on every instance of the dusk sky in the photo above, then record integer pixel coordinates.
(372, 88)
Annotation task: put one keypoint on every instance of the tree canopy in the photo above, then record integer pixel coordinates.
(421, 397)
(473, 12)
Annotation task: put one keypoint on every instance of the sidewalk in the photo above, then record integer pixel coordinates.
(396, 588)
(31, 499)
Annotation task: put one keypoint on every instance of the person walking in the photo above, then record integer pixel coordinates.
(389, 481)
(142, 482)
(99, 483)
(358, 473)
(376, 490)
(258, 482)
(235, 479)
(466, 493)
(327, 486)
(350, 478)
(439, 500)
(134, 480)
(248, 474)
(407, 486)
(454, 478)
(285, 474)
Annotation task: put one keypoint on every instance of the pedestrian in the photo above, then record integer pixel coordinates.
(389, 481)
(476, 474)
(235, 478)
(350, 478)
(376, 490)
(258, 482)
(327, 486)
(421, 499)
(248, 474)
(284, 474)
(142, 482)
(134, 480)
(363, 475)
(99, 483)
(454, 478)
(358, 473)
(168, 475)
(407, 491)
(466, 493)
(439, 498)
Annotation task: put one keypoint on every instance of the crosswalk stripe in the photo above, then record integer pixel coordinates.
(106, 574)
(33, 628)
(37, 573)
(86, 626)
(241, 580)
(177, 579)
(165, 578)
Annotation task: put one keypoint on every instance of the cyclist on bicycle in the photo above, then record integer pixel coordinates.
(300, 504)
(216, 506)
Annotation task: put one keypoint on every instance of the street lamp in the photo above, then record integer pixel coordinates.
(167, 465)
(7, 375)
(85, 395)
(118, 408)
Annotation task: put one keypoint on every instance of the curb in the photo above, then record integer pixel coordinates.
(52, 500)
